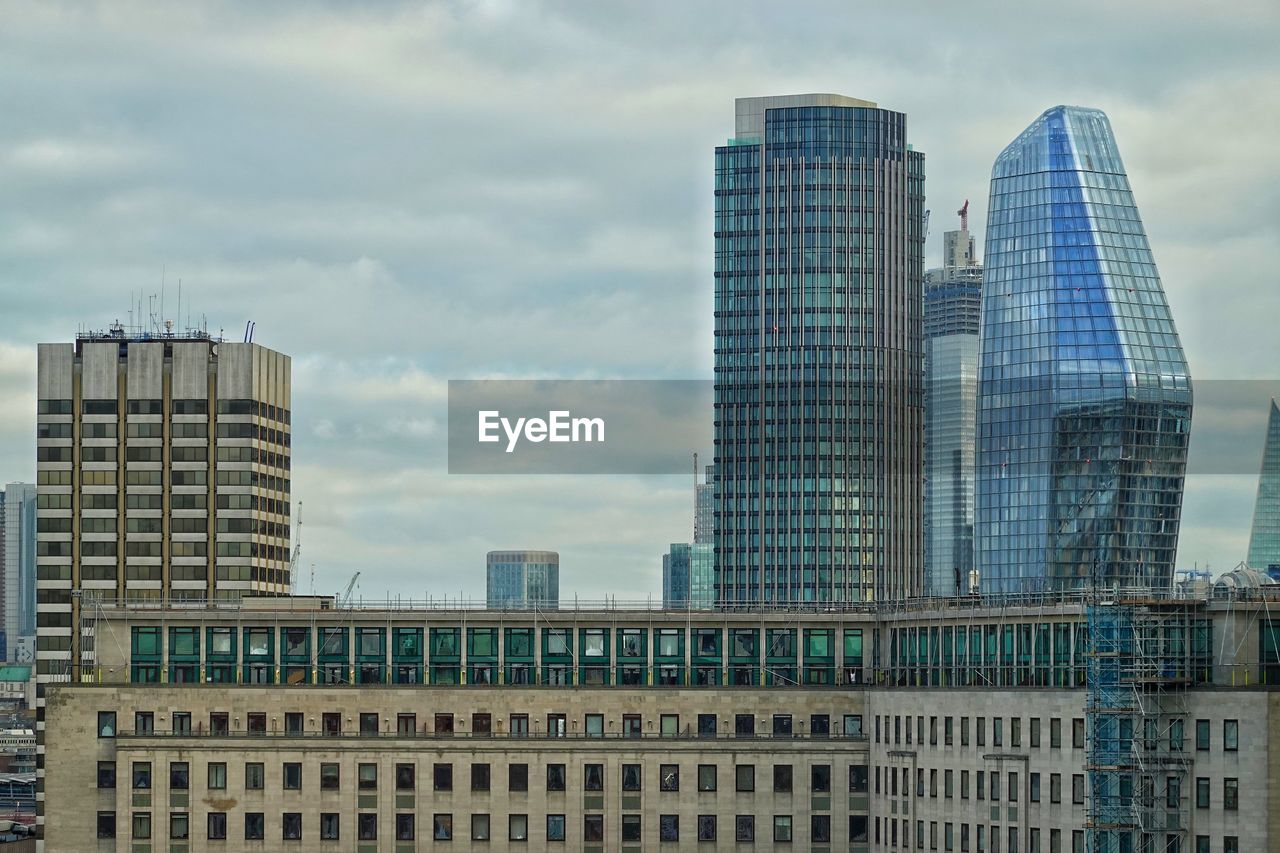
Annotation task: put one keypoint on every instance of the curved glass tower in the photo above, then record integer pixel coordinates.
(819, 353)
(1084, 398)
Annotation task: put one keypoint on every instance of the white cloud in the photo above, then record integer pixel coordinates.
(404, 193)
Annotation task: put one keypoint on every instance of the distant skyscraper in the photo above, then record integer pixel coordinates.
(163, 466)
(18, 547)
(518, 579)
(952, 321)
(704, 523)
(1264, 538)
(819, 353)
(1084, 398)
(688, 576)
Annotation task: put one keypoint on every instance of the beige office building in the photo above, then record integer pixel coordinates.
(969, 726)
(162, 474)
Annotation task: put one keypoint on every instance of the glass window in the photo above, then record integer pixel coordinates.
(1231, 735)
(782, 828)
(442, 777)
(782, 776)
(744, 828)
(517, 777)
(706, 827)
(442, 827)
(479, 777)
(255, 826)
(106, 774)
(630, 828)
(593, 642)
(330, 825)
(330, 777)
(142, 825)
(405, 777)
(518, 827)
(255, 775)
(669, 777)
(217, 826)
(593, 827)
(706, 777)
(593, 777)
(141, 775)
(820, 776)
(555, 827)
(292, 776)
(291, 826)
(405, 828)
(744, 776)
(555, 777)
(669, 827)
(631, 777)
(367, 826)
(367, 777)
(106, 724)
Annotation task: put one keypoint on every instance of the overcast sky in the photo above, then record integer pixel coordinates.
(403, 193)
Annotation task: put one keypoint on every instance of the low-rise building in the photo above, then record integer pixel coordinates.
(966, 725)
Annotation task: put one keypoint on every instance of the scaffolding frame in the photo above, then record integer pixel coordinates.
(1140, 667)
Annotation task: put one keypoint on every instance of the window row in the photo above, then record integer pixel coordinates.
(780, 778)
(780, 828)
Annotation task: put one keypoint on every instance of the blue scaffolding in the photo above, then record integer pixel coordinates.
(1139, 667)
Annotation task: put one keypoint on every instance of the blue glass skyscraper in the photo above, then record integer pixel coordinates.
(1084, 397)
(952, 322)
(818, 353)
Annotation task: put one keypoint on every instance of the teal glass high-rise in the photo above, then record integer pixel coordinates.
(1264, 535)
(818, 354)
(1084, 397)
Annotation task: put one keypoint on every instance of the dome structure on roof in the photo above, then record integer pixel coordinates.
(1240, 578)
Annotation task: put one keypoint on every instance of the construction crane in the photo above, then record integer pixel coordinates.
(345, 597)
(963, 213)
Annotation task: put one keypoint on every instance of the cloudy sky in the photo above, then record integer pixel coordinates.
(403, 193)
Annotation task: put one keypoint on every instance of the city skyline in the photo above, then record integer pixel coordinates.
(104, 199)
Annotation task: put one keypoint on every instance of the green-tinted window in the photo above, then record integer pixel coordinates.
(669, 643)
(853, 645)
(408, 644)
(184, 642)
(781, 643)
(146, 641)
(744, 643)
(333, 643)
(817, 643)
(257, 642)
(556, 642)
(444, 642)
(482, 642)
(519, 642)
(295, 642)
(706, 642)
(631, 643)
(371, 642)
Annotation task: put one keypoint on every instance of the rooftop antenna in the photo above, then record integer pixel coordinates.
(964, 216)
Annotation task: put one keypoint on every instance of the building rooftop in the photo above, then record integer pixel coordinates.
(750, 111)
